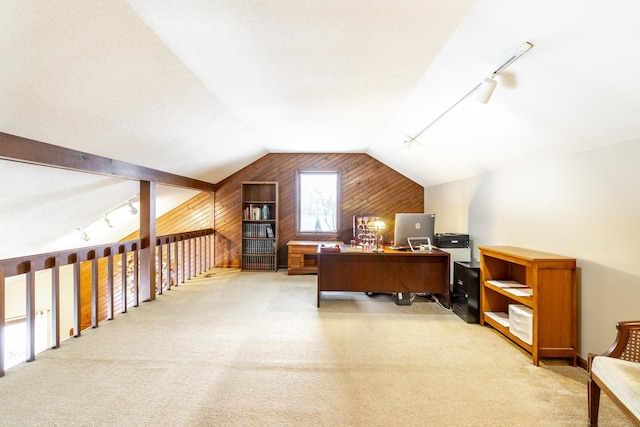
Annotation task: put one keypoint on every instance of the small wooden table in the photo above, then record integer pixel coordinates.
(302, 255)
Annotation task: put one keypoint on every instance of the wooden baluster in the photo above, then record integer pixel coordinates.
(197, 248)
(77, 308)
(55, 303)
(159, 268)
(110, 309)
(168, 273)
(136, 278)
(187, 258)
(31, 313)
(123, 276)
(177, 265)
(94, 291)
(2, 316)
(183, 260)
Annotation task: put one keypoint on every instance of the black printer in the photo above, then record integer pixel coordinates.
(451, 240)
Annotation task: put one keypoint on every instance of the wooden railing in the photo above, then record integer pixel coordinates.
(194, 248)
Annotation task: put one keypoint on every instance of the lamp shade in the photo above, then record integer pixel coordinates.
(486, 90)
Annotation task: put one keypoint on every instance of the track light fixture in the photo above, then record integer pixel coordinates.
(484, 89)
(83, 234)
(132, 209)
(107, 221)
(105, 218)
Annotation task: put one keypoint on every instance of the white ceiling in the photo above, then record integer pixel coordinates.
(202, 88)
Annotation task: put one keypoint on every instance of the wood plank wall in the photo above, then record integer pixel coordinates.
(194, 214)
(368, 188)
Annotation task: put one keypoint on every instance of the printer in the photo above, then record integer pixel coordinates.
(458, 247)
(451, 240)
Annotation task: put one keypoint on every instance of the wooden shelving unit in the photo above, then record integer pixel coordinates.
(551, 281)
(259, 226)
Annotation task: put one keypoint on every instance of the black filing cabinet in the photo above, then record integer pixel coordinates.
(466, 290)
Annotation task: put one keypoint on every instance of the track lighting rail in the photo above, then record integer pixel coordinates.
(487, 81)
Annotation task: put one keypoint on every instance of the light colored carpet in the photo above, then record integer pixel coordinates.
(232, 348)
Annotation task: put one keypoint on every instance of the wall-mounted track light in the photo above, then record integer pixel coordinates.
(132, 209)
(484, 90)
(105, 218)
(83, 234)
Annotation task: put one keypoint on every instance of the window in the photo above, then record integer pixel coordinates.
(317, 203)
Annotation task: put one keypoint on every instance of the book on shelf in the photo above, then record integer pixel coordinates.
(265, 213)
(258, 230)
(254, 246)
(263, 262)
(255, 214)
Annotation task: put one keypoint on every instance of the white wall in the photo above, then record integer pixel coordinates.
(15, 294)
(585, 206)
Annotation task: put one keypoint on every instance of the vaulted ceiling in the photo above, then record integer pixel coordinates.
(202, 88)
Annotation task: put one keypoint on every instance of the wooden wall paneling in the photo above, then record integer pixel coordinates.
(368, 187)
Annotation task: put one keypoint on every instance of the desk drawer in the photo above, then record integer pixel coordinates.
(303, 249)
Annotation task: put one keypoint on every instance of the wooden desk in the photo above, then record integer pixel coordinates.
(302, 256)
(390, 271)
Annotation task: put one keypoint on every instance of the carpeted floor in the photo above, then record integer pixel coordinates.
(232, 348)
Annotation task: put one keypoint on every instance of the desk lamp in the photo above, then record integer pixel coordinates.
(377, 225)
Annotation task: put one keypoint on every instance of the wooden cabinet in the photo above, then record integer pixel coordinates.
(302, 256)
(541, 288)
(259, 226)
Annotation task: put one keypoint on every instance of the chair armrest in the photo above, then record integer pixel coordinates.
(627, 343)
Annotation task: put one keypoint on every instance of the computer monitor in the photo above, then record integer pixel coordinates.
(413, 225)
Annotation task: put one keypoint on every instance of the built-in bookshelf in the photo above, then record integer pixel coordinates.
(259, 226)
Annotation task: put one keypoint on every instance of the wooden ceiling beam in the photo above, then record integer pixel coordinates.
(19, 149)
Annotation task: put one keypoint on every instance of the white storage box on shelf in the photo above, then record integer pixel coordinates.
(521, 322)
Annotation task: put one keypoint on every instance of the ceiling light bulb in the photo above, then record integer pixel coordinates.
(107, 221)
(84, 235)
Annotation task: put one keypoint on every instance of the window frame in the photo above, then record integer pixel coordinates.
(309, 234)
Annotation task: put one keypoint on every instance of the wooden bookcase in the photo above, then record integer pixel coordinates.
(551, 281)
(259, 226)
